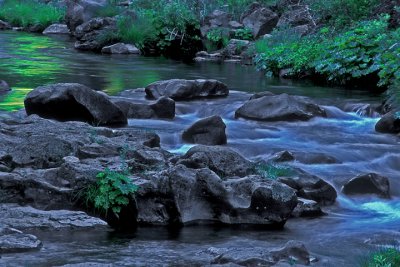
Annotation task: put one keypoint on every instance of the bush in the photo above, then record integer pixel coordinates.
(112, 191)
(28, 13)
(243, 34)
(384, 258)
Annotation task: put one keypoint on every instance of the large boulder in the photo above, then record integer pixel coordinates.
(208, 131)
(73, 101)
(120, 48)
(90, 33)
(365, 184)
(178, 89)
(259, 19)
(4, 87)
(80, 11)
(57, 29)
(389, 123)
(164, 108)
(297, 15)
(282, 107)
(216, 20)
(222, 160)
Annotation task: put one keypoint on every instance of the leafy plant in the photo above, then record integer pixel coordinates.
(243, 34)
(112, 191)
(273, 171)
(384, 258)
(218, 38)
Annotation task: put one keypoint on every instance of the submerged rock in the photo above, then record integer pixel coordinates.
(120, 48)
(72, 101)
(15, 241)
(178, 89)
(260, 20)
(364, 184)
(280, 108)
(164, 108)
(57, 29)
(4, 87)
(389, 123)
(207, 131)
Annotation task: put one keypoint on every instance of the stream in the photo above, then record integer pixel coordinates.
(349, 231)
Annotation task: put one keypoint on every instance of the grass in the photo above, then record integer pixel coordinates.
(389, 257)
(25, 13)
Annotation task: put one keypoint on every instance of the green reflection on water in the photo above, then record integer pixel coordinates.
(14, 100)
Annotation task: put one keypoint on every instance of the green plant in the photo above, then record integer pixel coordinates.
(243, 34)
(28, 13)
(383, 258)
(111, 191)
(273, 171)
(137, 30)
(218, 38)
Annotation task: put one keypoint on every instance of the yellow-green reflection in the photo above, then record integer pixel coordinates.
(14, 100)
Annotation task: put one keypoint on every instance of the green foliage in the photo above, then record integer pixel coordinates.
(109, 10)
(28, 13)
(273, 171)
(243, 34)
(112, 191)
(384, 258)
(217, 39)
(137, 30)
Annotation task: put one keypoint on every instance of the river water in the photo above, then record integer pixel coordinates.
(351, 228)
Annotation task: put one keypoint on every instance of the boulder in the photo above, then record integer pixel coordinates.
(297, 16)
(80, 11)
(120, 48)
(389, 123)
(236, 47)
(216, 20)
(164, 108)
(222, 160)
(5, 25)
(4, 87)
(307, 208)
(292, 251)
(259, 19)
(15, 241)
(178, 89)
(72, 101)
(280, 108)
(365, 184)
(89, 33)
(208, 131)
(283, 156)
(57, 29)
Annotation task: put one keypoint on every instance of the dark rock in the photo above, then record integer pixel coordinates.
(389, 123)
(89, 33)
(307, 208)
(311, 187)
(120, 48)
(164, 108)
(15, 241)
(80, 11)
(72, 101)
(5, 25)
(297, 16)
(29, 218)
(371, 183)
(259, 19)
(222, 160)
(57, 29)
(216, 20)
(315, 158)
(261, 94)
(208, 131)
(283, 156)
(4, 87)
(178, 89)
(280, 108)
(35, 28)
(293, 251)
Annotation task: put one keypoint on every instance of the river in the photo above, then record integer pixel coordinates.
(341, 238)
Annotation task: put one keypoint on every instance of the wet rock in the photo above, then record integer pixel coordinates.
(164, 108)
(364, 110)
(283, 156)
(178, 89)
(15, 241)
(208, 131)
(216, 20)
(311, 187)
(57, 29)
(5, 25)
(236, 47)
(315, 158)
(120, 48)
(222, 160)
(72, 101)
(389, 123)
(88, 34)
(293, 251)
(80, 11)
(307, 208)
(31, 218)
(261, 94)
(4, 87)
(280, 108)
(364, 184)
(259, 19)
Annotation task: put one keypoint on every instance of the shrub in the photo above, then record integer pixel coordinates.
(111, 191)
(243, 34)
(28, 13)
(384, 258)
(137, 30)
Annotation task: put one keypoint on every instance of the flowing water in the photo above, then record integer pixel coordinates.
(350, 229)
